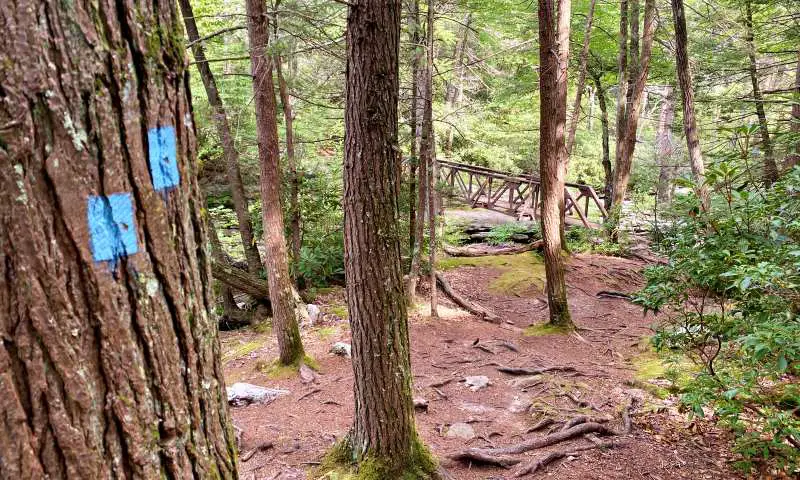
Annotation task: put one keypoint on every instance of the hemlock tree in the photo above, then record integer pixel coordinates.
(109, 361)
(553, 61)
(285, 309)
(383, 441)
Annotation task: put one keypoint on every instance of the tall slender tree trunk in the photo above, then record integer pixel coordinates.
(109, 359)
(770, 166)
(554, 60)
(794, 152)
(284, 307)
(240, 203)
(383, 428)
(414, 38)
(428, 150)
(291, 162)
(689, 123)
(601, 100)
(622, 93)
(584, 58)
(665, 148)
(627, 144)
(229, 307)
(455, 85)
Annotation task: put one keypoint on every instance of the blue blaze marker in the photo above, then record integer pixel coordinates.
(112, 233)
(163, 157)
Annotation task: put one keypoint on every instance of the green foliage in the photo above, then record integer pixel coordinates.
(731, 293)
(582, 239)
(503, 233)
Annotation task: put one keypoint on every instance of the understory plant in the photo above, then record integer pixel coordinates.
(730, 296)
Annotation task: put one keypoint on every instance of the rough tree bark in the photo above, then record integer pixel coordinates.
(665, 148)
(770, 167)
(284, 307)
(240, 203)
(456, 85)
(109, 359)
(584, 58)
(414, 38)
(638, 79)
(554, 60)
(622, 92)
(601, 101)
(383, 428)
(794, 156)
(689, 123)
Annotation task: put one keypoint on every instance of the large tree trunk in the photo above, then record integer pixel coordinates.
(584, 58)
(794, 153)
(665, 148)
(689, 122)
(638, 79)
(414, 38)
(770, 167)
(608, 174)
(456, 84)
(240, 203)
(109, 360)
(284, 307)
(554, 60)
(383, 428)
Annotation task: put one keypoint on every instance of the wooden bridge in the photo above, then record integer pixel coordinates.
(518, 195)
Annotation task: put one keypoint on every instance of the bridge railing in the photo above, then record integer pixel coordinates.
(518, 195)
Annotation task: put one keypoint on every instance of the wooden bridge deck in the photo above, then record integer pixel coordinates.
(518, 195)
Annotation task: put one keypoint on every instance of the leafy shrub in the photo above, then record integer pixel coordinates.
(503, 233)
(731, 294)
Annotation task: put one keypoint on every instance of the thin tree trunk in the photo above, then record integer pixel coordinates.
(689, 122)
(608, 174)
(284, 307)
(428, 151)
(109, 359)
(229, 307)
(794, 156)
(240, 203)
(665, 148)
(414, 38)
(291, 161)
(770, 167)
(622, 93)
(622, 170)
(584, 58)
(554, 60)
(455, 85)
(383, 428)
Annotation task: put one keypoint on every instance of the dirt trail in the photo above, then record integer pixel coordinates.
(662, 445)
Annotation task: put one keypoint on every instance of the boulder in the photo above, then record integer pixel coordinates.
(342, 349)
(460, 430)
(477, 382)
(240, 394)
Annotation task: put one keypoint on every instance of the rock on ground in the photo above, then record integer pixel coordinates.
(240, 394)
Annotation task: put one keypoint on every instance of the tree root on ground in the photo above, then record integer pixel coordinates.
(472, 308)
(533, 371)
(541, 463)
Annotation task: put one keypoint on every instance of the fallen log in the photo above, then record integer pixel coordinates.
(241, 280)
(474, 309)
(533, 371)
(475, 251)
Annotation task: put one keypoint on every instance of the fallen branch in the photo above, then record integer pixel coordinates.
(473, 251)
(612, 294)
(464, 303)
(241, 280)
(532, 371)
(263, 446)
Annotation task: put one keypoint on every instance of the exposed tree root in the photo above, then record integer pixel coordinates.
(474, 251)
(541, 463)
(472, 308)
(533, 371)
(541, 425)
(482, 456)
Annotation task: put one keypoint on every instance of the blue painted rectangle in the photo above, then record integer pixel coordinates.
(163, 157)
(112, 232)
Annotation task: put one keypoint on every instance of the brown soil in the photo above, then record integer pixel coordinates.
(663, 443)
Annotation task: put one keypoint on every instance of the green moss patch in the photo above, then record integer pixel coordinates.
(675, 372)
(338, 310)
(241, 350)
(339, 464)
(519, 273)
(275, 370)
(325, 333)
(543, 329)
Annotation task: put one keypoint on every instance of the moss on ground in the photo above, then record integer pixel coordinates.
(275, 370)
(338, 310)
(520, 272)
(241, 350)
(339, 464)
(671, 367)
(543, 329)
(325, 333)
